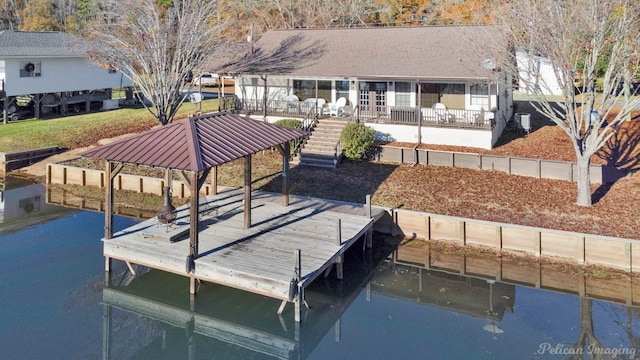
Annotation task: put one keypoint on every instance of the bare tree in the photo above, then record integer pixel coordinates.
(585, 40)
(156, 46)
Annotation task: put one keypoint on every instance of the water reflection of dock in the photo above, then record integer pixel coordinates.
(155, 308)
(462, 294)
(620, 288)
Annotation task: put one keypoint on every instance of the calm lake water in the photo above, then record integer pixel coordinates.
(56, 303)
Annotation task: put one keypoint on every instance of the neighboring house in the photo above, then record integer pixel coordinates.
(431, 84)
(537, 75)
(53, 70)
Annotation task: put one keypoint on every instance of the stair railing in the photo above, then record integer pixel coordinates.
(337, 153)
(308, 124)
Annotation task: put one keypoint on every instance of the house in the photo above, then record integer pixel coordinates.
(52, 70)
(537, 75)
(429, 84)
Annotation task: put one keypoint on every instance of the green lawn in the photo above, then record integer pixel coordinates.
(84, 129)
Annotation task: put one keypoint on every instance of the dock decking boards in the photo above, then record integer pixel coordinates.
(260, 259)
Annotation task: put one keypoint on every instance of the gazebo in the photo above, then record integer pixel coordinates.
(194, 148)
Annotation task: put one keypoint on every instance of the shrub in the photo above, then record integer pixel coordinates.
(289, 123)
(357, 139)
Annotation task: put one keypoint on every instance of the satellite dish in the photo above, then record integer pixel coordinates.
(489, 64)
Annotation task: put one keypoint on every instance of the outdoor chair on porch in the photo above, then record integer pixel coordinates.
(443, 116)
(337, 108)
(320, 103)
(292, 104)
(477, 118)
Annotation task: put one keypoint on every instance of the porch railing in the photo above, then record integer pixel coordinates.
(479, 119)
(228, 103)
(456, 118)
(283, 107)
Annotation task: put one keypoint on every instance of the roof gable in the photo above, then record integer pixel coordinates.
(198, 143)
(447, 52)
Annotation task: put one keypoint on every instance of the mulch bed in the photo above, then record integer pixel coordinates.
(527, 201)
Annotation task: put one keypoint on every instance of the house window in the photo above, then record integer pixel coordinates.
(30, 68)
(479, 94)
(305, 89)
(451, 95)
(403, 94)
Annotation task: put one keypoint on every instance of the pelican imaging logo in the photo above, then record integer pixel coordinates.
(592, 349)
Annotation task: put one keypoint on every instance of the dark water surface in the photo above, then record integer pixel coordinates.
(56, 303)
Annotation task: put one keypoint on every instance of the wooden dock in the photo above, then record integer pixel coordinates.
(298, 242)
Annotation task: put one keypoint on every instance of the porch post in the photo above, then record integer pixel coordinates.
(264, 99)
(489, 95)
(418, 105)
(316, 97)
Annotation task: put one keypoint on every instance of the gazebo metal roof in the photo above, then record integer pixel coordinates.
(197, 144)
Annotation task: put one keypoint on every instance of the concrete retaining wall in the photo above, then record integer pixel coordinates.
(543, 169)
(71, 175)
(616, 253)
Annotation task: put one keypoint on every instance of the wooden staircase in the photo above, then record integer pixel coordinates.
(320, 148)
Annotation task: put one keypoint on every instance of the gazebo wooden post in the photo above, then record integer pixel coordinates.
(285, 174)
(284, 150)
(214, 180)
(247, 191)
(111, 171)
(193, 228)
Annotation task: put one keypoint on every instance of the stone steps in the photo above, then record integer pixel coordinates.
(319, 150)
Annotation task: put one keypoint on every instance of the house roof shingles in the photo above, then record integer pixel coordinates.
(443, 52)
(40, 44)
(198, 143)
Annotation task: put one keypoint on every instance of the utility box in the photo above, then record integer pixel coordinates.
(110, 104)
(523, 122)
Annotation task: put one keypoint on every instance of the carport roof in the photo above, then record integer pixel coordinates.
(198, 143)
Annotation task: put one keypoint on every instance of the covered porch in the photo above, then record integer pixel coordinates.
(467, 104)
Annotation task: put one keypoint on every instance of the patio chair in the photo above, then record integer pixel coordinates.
(337, 108)
(441, 112)
(293, 104)
(477, 118)
(310, 102)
